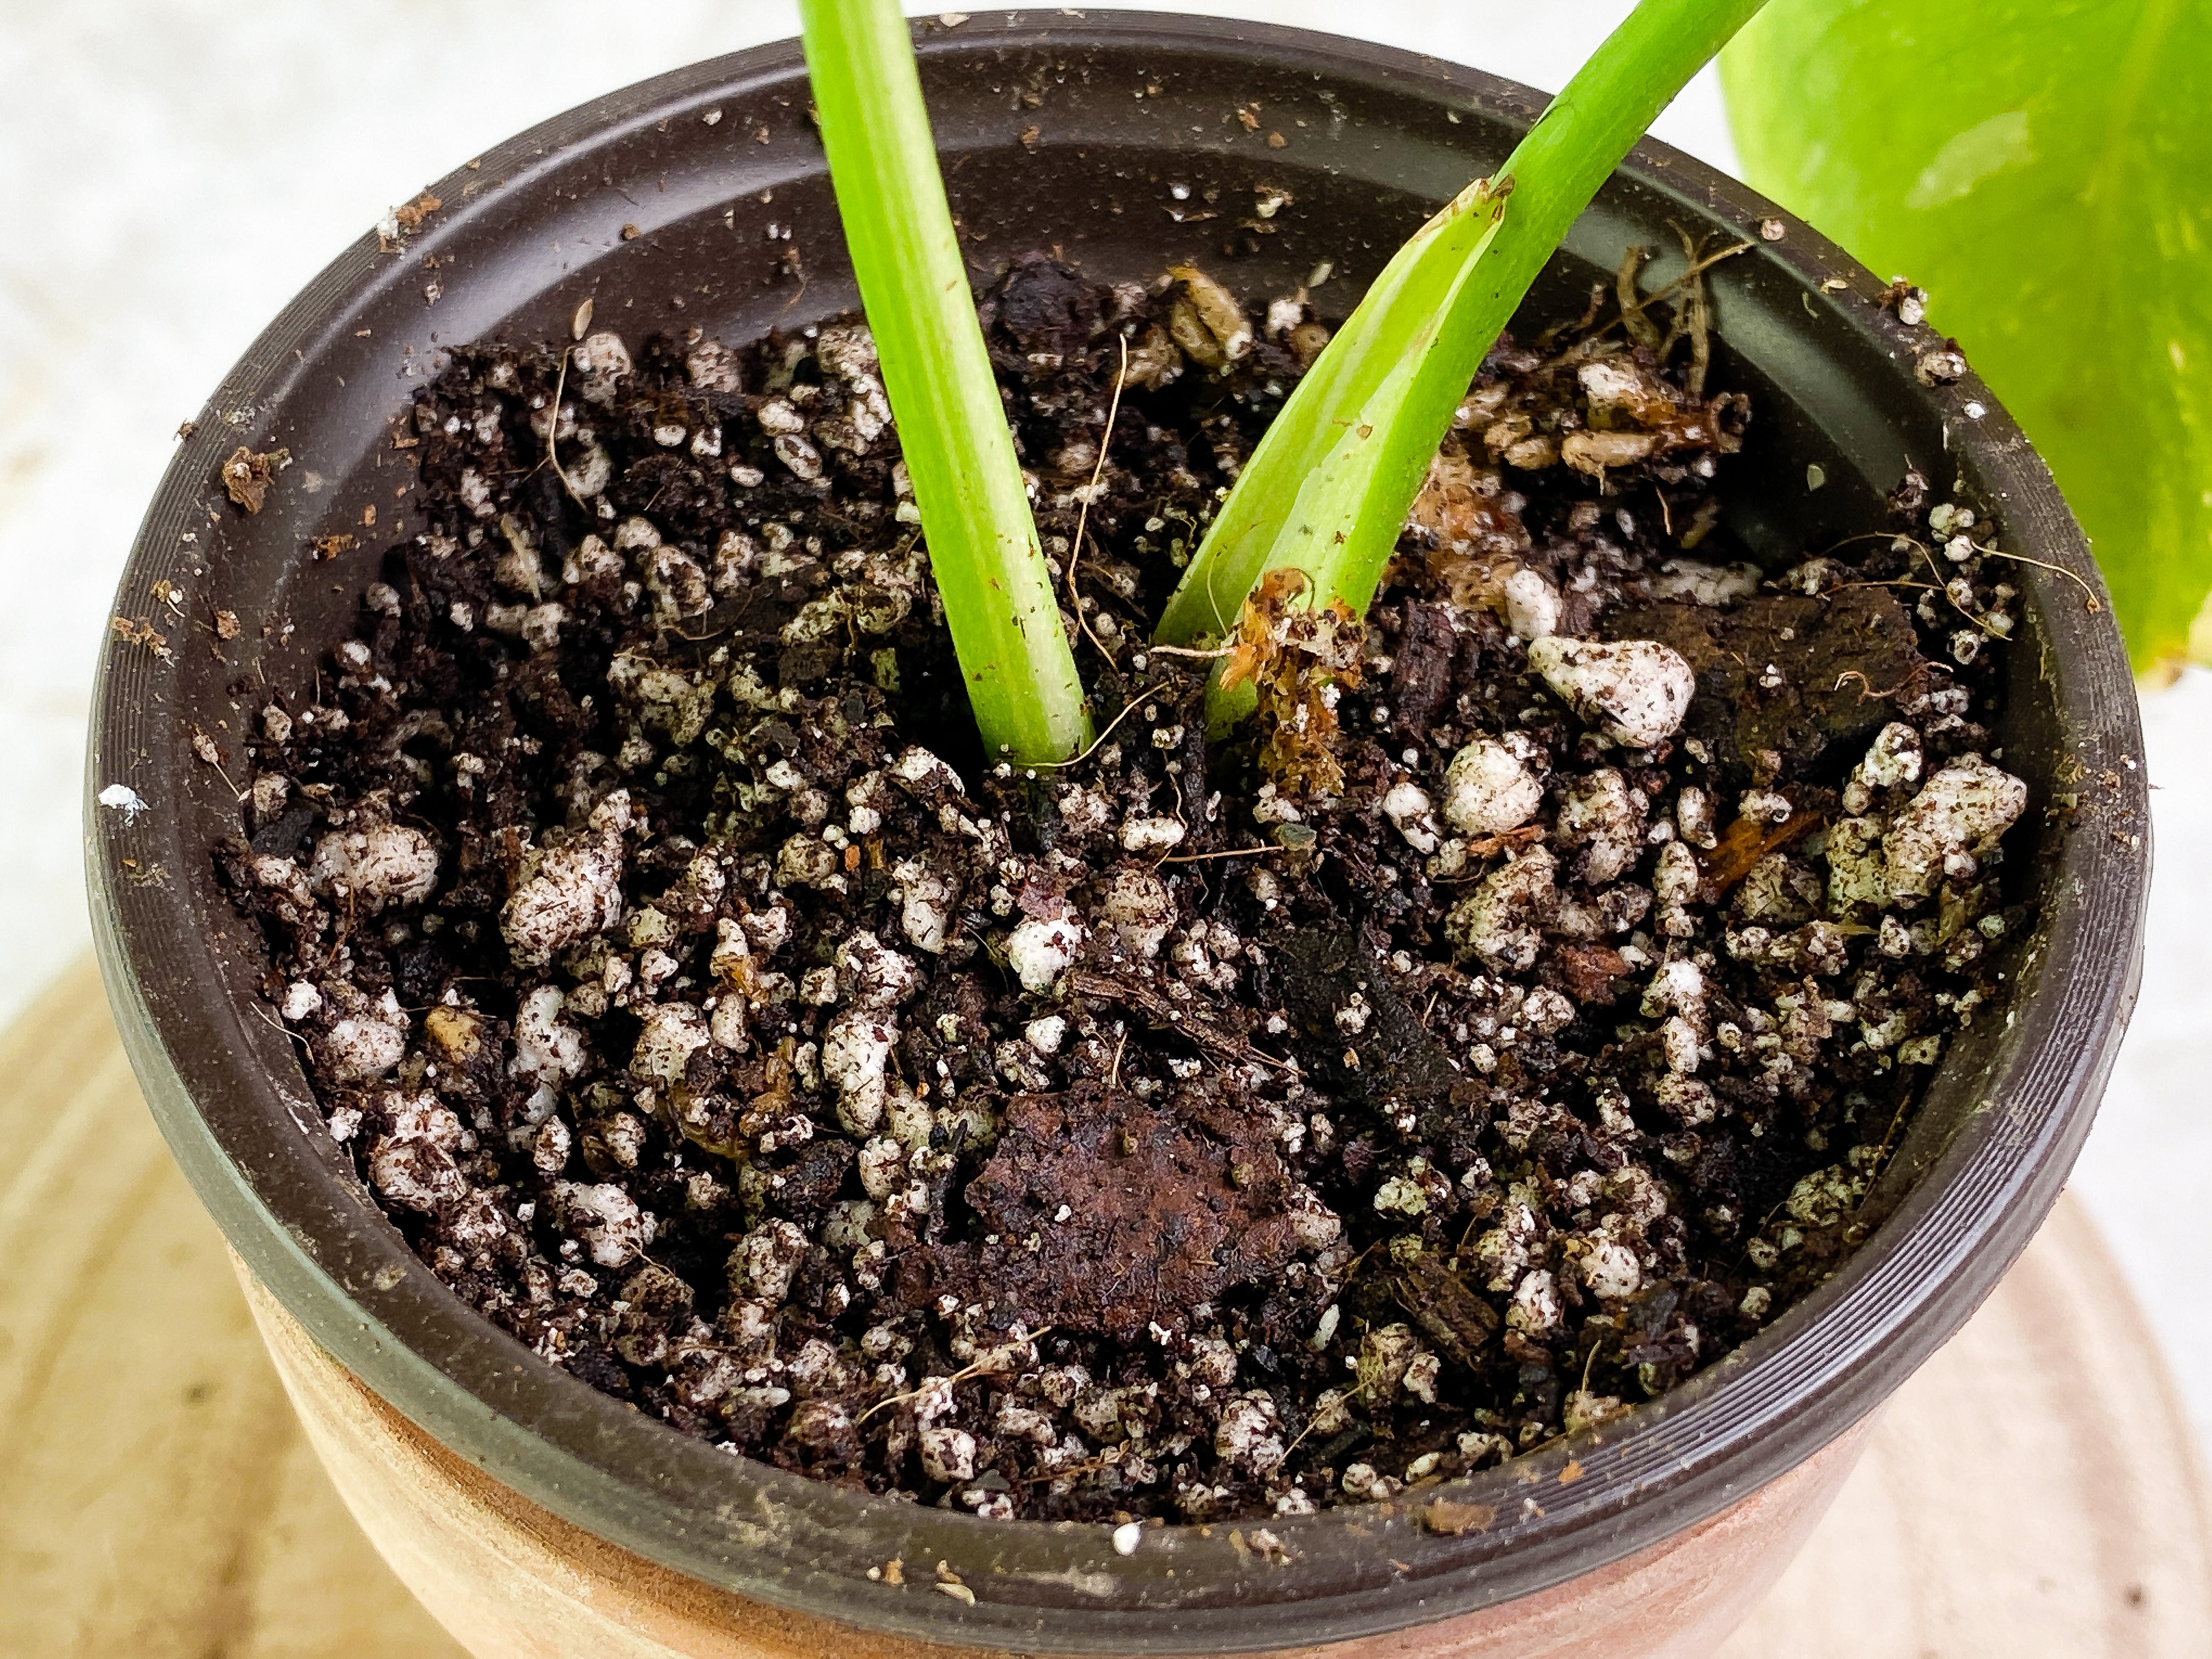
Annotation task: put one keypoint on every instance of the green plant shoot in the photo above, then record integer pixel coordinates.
(981, 538)
(1328, 488)
(1328, 491)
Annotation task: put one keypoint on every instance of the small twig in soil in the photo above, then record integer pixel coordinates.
(1357, 1390)
(1225, 853)
(2088, 592)
(1863, 535)
(1881, 1155)
(963, 1374)
(236, 792)
(1866, 693)
(1938, 584)
(1164, 1014)
(1074, 1471)
(742, 606)
(1082, 514)
(1590, 1362)
(1506, 841)
(1484, 846)
(1926, 553)
(553, 431)
(280, 1028)
(1640, 328)
(1055, 765)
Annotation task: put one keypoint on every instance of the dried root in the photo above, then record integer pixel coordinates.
(1299, 657)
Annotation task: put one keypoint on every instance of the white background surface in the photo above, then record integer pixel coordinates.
(175, 170)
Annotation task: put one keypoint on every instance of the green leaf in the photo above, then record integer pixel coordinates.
(2043, 168)
(1327, 489)
(982, 542)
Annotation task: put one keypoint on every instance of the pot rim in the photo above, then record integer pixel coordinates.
(308, 1232)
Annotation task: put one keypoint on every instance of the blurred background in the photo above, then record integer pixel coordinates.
(175, 170)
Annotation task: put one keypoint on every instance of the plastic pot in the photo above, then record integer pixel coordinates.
(539, 1517)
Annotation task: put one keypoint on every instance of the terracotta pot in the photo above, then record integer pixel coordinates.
(538, 1516)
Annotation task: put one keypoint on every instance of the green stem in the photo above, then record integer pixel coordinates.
(982, 541)
(1328, 488)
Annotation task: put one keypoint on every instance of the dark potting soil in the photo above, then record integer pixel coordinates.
(1504, 1025)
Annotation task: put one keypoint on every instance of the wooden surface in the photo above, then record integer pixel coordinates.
(2031, 1494)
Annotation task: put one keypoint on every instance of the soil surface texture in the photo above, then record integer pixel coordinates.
(1501, 1026)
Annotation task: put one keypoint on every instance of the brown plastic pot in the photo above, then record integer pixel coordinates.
(539, 1517)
